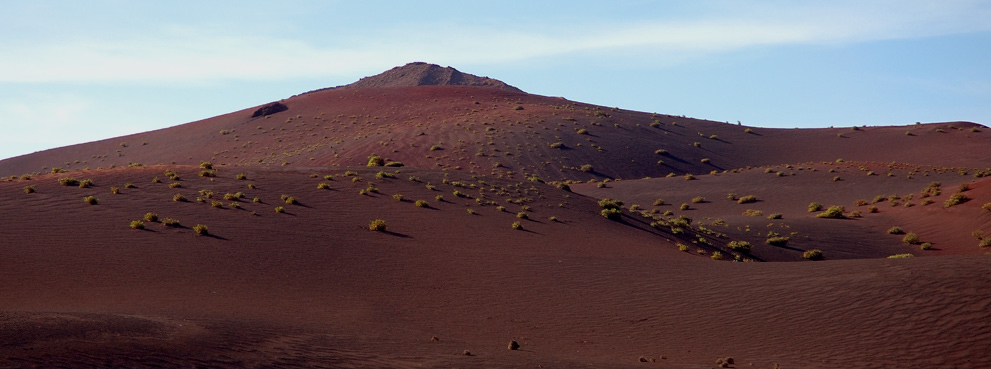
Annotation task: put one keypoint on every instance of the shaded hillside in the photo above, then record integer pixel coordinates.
(496, 132)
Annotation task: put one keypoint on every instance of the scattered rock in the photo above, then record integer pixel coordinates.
(270, 109)
(513, 345)
(724, 362)
(466, 353)
(647, 359)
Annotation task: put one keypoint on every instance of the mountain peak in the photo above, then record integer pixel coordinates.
(425, 74)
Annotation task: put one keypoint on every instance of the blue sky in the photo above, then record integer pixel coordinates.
(73, 72)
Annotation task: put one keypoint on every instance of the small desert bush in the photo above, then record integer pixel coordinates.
(834, 212)
(291, 200)
(375, 161)
(91, 200)
(705, 160)
(872, 209)
(86, 183)
(611, 213)
(814, 207)
(814, 254)
(518, 226)
(384, 174)
(323, 186)
(398, 196)
(685, 206)
(689, 177)
(698, 200)
(280, 209)
(777, 241)
(439, 198)
(775, 216)
(860, 202)
(586, 168)
(114, 190)
(68, 181)
(956, 199)
(896, 230)
(170, 222)
(137, 224)
(753, 213)
(206, 165)
(128, 185)
(901, 256)
(716, 255)
(151, 217)
(256, 200)
(658, 202)
(28, 189)
(178, 198)
(501, 208)
(229, 196)
(522, 215)
(208, 173)
(216, 204)
(985, 243)
(926, 246)
(234, 205)
(608, 203)
(241, 176)
(175, 185)
(747, 199)
(740, 246)
(986, 206)
(911, 238)
(201, 229)
(472, 212)
(422, 204)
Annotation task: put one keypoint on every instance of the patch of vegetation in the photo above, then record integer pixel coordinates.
(206, 165)
(753, 213)
(151, 217)
(747, 199)
(398, 196)
(422, 204)
(518, 226)
(68, 181)
(241, 176)
(896, 230)
(522, 215)
(775, 216)
(717, 255)
(280, 209)
(777, 241)
(814, 254)
(911, 238)
(91, 200)
(137, 224)
(956, 199)
(201, 229)
(901, 256)
(698, 200)
(170, 222)
(375, 161)
(814, 207)
(611, 213)
(834, 212)
(28, 189)
(742, 247)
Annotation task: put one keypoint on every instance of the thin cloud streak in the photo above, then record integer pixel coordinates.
(190, 57)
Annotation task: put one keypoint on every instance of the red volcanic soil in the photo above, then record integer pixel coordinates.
(495, 233)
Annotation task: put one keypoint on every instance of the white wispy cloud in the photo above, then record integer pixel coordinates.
(188, 55)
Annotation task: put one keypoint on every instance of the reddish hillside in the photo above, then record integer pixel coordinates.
(489, 238)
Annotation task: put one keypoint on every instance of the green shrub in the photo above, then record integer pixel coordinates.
(206, 165)
(986, 206)
(814, 254)
(753, 213)
(472, 212)
(129, 185)
(716, 255)
(814, 207)
(747, 199)
(394, 164)
(689, 177)
(384, 174)
(137, 224)
(777, 241)
(179, 198)
(985, 243)
(256, 200)
(775, 216)
(522, 215)
(398, 196)
(151, 217)
(234, 205)
(91, 200)
(68, 181)
(86, 183)
(375, 161)
(926, 246)
(608, 203)
(229, 196)
(216, 204)
(459, 194)
(685, 206)
(698, 200)
(201, 229)
(586, 168)
(291, 200)
(280, 209)
(834, 212)
(208, 173)
(901, 256)
(956, 199)
(518, 226)
(911, 238)
(658, 202)
(170, 222)
(611, 213)
(422, 204)
(175, 185)
(28, 189)
(439, 198)
(895, 230)
(743, 247)
(241, 176)
(114, 190)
